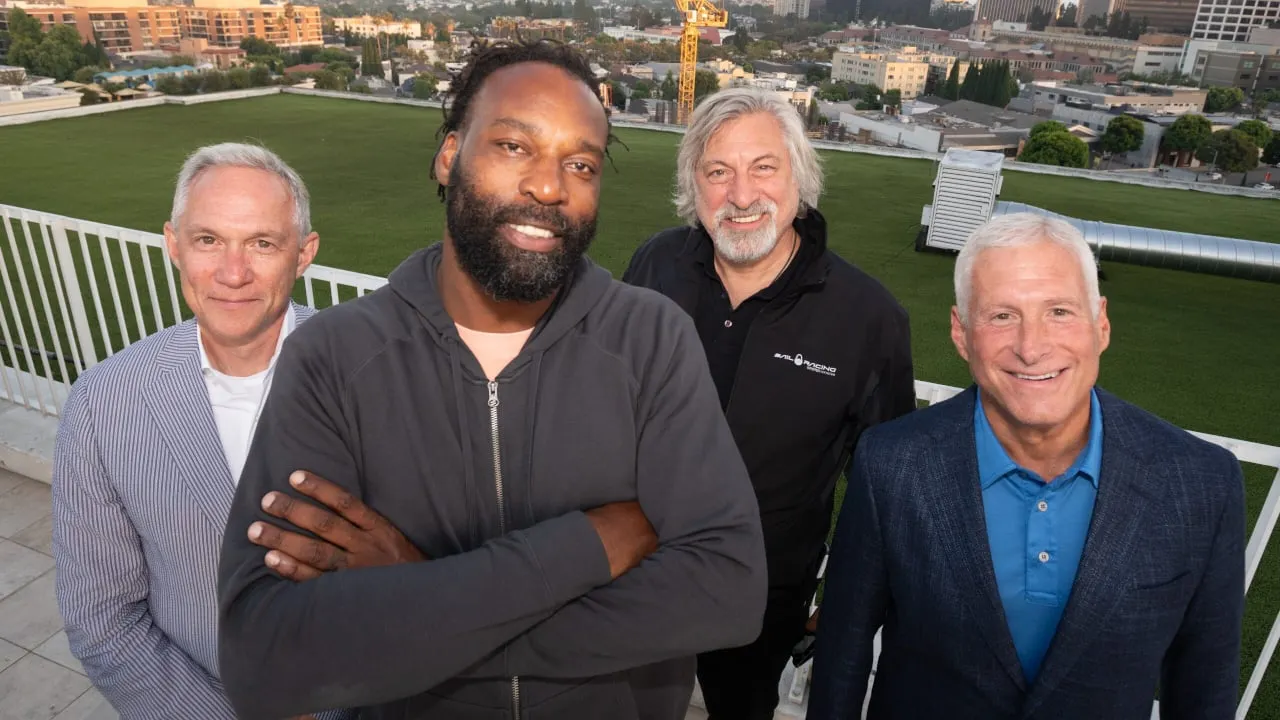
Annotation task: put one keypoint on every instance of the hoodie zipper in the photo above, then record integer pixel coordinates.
(502, 509)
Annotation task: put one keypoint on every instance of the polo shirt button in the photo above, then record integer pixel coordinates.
(1044, 556)
(728, 323)
(1042, 506)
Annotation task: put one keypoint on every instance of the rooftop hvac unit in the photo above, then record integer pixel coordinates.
(964, 194)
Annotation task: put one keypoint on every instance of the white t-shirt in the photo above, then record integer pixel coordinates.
(237, 401)
(494, 350)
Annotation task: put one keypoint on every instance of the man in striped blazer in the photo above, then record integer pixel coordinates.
(152, 441)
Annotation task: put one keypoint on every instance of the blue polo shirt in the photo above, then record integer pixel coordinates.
(1037, 532)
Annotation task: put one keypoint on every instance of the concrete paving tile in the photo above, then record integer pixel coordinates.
(30, 616)
(57, 650)
(36, 689)
(9, 480)
(9, 654)
(22, 506)
(90, 706)
(38, 536)
(19, 566)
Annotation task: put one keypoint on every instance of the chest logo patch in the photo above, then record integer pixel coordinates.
(800, 361)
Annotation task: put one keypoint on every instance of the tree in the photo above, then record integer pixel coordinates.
(214, 81)
(642, 89)
(25, 35)
(370, 58)
(257, 46)
(705, 82)
(833, 92)
(971, 81)
(951, 90)
(812, 120)
(893, 98)
(1271, 155)
(1039, 19)
(1048, 126)
(1229, 151)
(1257, 130)
(84, 75)
(1059, 148)
(669, 89)
(618, 95)
(238, 78)
(1068, 16)
(424, 86)
(169, 85)
(330, 80)
(191, 83)
(1223, 99)
(59, 53)
(395, 74)
(1188, 133)
(1124, 134)
(259, 76)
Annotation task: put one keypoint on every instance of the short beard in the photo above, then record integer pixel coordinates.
(505, 272)
(743, 247)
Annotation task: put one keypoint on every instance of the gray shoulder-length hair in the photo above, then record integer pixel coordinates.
(725, 105)
(247, 156)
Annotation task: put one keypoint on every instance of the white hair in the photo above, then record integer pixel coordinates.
(245, 156)
(726, 105)
(1015, 230)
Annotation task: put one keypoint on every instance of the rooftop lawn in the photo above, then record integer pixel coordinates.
(1199, 350)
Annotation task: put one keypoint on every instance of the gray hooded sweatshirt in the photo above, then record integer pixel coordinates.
(514, 614)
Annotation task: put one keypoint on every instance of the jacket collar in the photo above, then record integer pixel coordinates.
(178, 402)
(812, 228)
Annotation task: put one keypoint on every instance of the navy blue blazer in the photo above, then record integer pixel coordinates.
(1157, 600)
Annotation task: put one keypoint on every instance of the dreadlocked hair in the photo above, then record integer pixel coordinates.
(488, 58)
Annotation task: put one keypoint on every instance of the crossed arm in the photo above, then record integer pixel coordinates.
(551, 597)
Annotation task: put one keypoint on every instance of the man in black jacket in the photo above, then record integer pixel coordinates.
(806, 352)
(522, 419)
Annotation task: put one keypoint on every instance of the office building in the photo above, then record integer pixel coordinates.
(1165, 15)
(1231, 20)
(1014, 10)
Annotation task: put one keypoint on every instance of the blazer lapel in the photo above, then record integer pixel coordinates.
(179, 404)
(962, 526)
(1104, 565)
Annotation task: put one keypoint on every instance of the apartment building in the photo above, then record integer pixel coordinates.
(888, 71)
(124, 27)
(369, 26)
(120, 29)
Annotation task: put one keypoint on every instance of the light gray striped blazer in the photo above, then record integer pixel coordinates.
(141, 492)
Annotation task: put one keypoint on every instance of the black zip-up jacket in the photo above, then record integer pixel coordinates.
(514, 614)
(829, 357)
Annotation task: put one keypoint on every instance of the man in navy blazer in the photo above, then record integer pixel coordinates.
(1034, 547)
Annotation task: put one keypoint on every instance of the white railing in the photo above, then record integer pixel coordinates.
(74, 292)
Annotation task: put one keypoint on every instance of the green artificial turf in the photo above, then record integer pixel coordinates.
(1199, 350)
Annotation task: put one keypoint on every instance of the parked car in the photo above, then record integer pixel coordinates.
(1264, 186)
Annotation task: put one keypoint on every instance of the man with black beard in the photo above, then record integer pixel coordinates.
(527, 502)
(806, 350)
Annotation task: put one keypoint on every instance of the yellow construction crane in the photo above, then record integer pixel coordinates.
(698, 14)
